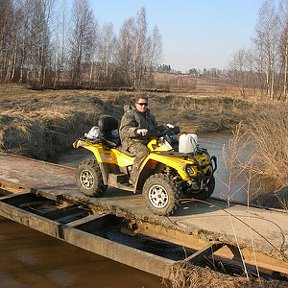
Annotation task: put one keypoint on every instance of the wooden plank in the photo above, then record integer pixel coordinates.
(50, 179)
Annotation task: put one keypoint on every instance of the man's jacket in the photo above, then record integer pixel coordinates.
(133, 120)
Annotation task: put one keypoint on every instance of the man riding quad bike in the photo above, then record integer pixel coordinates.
(163, 174)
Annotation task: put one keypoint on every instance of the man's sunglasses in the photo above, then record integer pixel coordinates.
(143, 104)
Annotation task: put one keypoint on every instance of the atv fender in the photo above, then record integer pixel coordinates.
(176, 163)
(95, 148)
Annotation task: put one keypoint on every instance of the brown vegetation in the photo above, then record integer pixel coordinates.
(200, 85)
(40, 123)
(258, 150)
(184, 274)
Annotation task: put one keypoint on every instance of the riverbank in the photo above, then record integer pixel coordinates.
(39, 124)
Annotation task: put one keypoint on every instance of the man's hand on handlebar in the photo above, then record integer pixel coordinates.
(169, 126)
(142, 132)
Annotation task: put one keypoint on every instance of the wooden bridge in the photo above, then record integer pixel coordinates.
(43, 196)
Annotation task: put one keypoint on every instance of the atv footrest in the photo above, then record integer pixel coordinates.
(119, 178)
(120, 181)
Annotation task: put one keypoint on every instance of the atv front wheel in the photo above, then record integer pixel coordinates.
(89, 178)
(161, 194)
(204, 193)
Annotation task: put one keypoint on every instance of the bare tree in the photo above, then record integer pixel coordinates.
(60, 59)
(35, 47)
(238, 67)
(125, 50)
(139, 50)
(107, 48)
(82, 29)
(6, 12)
(266, 43)
(156, 48)
(284, 45)
(93, 55)
(138, 53)
(40, 40)
(154, 51)
(26, 8)
(13, 71)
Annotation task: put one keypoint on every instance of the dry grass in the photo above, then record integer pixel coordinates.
(50, 120)
(258, 152)
(44, 123)
(186, 275)
(270, 133)
(193, 84)
(199, 114)
(239, 158)
(40, 123)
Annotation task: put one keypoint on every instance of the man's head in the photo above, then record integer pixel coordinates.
(141, 104)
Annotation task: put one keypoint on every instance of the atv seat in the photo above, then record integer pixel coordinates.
(109, 129)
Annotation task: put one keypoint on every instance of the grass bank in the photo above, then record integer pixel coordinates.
(39, 124)
(258, 151)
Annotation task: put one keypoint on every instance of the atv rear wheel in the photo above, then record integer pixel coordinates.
(89, 178)
(204, 193)
(161, 194)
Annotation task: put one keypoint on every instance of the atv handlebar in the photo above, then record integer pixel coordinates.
(161, 132)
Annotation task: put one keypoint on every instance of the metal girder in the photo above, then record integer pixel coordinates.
(71, 233)
(200, 255)
(224, 251)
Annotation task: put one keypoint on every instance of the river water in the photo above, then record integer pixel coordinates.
(31, 259)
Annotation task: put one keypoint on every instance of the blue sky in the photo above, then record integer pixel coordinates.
(195, 33)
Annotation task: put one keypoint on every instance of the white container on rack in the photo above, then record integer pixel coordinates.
(188, 143)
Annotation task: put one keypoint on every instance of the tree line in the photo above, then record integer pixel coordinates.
(46, 44)
(264, 66)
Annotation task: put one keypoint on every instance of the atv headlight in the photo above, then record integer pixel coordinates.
(189, 170)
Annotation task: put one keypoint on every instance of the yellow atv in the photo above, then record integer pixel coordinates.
(163, 175)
